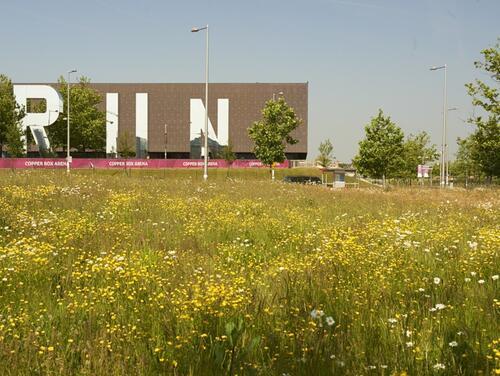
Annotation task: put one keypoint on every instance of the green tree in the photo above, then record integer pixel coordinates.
(486, 137)
(464, 164)
(271, 135)
(125, 146)
(380, 154)
(325, 156)
(228, 155)
(87, 121)
(417, 149)
(15, 142)
(10, 112)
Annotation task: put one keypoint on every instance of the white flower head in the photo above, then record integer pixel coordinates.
(440, 306)
(392, 321)
(467, 279)
(481, 281)
(439, 366)
(409, 344)
(316, 313)
(453, 344)
(437, 280)
(330, 321)
(472, 245)
(494, 277)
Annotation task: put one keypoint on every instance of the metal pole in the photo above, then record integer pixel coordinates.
(165, 141)
(442, 163)
(67, 141)
(205, 166)
(67, 118)
(445, 146)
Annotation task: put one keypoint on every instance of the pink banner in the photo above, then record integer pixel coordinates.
(128, 163)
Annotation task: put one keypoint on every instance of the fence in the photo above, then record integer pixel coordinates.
(89, 163)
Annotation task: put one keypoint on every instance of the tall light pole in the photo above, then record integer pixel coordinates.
(205, 164)
(68, 158)
(447, 154)
(442, 170)
(165, 140)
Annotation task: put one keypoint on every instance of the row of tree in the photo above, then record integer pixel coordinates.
(479, 154)
(384, 152)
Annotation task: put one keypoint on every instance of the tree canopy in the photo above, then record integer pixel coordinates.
(485, 141)
(271, 135)
(417, 149)
(381, 151)
(325, 156)
(10, 118)
(87, 121)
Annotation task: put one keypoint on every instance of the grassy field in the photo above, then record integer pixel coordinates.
(159, 273)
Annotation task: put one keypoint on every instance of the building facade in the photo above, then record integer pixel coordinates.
(170, 117)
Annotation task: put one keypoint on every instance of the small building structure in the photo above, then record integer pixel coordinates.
(333, 176)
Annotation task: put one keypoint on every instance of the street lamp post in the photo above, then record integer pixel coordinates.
(68, 157)
(447, 154)
(205, 164)
(442, 170)
(165, 140)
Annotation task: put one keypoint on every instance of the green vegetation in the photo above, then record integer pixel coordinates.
(271, 135)
(149, 274)
(325, 157)
(380, 154)
(228, 155)
(126, 147)
(484, 144)
(10, 119)
(88, 122)
(417, 149)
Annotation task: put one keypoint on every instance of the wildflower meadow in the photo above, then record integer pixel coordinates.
(147, 274)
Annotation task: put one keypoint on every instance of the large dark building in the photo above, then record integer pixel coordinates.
(144, 110)
(153, 117)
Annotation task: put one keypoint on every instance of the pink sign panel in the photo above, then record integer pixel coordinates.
(127, 163)
(423, 171)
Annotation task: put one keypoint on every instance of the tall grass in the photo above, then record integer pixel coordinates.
(159, 273)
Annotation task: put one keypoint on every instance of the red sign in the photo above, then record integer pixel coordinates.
(127, 163)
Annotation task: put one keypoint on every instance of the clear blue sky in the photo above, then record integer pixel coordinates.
(358, 55)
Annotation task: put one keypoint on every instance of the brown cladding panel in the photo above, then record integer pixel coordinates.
(170, 104)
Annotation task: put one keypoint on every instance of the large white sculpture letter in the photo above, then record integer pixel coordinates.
(37, 121)
(197, 118)
(111, 122)
(141, 124)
